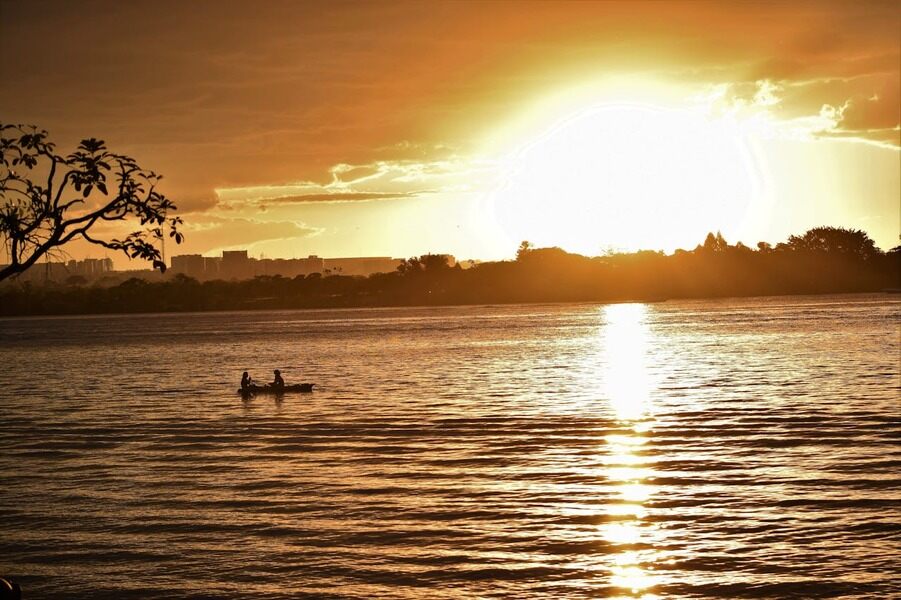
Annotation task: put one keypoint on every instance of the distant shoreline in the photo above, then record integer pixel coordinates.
(848, 264)
(880, 293)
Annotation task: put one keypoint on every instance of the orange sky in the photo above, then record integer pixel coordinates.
(390, 128)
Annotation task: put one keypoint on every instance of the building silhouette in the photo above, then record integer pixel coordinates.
(89, 269)
(232, 265)
(236, 264)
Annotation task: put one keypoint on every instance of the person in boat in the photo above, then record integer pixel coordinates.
(246, 381)
(278, 382)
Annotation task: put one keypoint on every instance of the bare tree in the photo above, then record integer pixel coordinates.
(48, 200)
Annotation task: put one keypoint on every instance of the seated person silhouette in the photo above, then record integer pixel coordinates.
(246, 381)
(278, 382)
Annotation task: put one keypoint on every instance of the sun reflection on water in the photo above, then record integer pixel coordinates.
(627, 388)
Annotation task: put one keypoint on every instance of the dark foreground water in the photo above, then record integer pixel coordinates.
(721, 449)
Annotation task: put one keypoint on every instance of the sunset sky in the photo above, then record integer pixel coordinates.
(363, 129)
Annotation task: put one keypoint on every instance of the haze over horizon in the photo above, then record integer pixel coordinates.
(398, 129)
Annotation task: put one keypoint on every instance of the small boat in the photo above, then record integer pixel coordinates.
(255, 390)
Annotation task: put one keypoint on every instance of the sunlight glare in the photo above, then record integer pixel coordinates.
(625, 340)
(627, 177)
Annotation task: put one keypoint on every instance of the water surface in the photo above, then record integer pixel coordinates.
(709, 449)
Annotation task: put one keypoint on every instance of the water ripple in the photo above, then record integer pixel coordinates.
(711, 449)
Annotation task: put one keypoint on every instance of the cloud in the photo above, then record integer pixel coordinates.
(874, 111)
(862, 109)
(367, 182)
(204, 233)
(189, 201)
(341, 197)
(343, 173)
(235, 98)
(890, 137)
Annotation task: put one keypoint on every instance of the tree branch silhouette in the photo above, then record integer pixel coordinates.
(74, 197)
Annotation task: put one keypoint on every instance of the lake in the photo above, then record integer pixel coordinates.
(703, 449)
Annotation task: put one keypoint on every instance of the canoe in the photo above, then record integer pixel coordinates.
(260, 389)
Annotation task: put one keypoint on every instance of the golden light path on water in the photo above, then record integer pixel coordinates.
(626, 385)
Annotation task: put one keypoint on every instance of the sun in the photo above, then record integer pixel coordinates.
(629, 176)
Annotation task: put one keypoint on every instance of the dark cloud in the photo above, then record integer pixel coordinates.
(869, 106)
(340, 197)
(877, 109)
(195, 202)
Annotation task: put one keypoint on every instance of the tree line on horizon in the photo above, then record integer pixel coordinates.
(822, 260)
(49, 199)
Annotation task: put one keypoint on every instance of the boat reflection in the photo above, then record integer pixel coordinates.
(627, 386)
